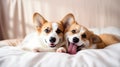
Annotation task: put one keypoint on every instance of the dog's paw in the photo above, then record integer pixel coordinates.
(61, 50)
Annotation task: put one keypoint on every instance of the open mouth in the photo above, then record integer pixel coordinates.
(52, 45)
(73, 48)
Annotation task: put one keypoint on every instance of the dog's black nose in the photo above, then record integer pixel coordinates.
(75, 39)
(52, 39)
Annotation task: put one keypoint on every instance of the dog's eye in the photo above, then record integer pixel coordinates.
(73, 31)
(47, 30)
(84, 35)
(58, 31)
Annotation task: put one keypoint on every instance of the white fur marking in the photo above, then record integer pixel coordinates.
(53, 33)
(82, 30)
(54, 26)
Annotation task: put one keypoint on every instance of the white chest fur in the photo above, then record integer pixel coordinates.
(33, 41)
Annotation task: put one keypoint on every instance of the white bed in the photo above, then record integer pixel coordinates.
(108, 57)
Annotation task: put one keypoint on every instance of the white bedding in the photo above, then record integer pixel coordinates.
(108, 57)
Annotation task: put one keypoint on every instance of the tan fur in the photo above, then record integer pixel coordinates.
(101, 41)
(107, 39)
(45, 24)
(104, 39)
(73, 26)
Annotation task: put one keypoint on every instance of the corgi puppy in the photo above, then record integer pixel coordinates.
(79, 37)
(49, 36)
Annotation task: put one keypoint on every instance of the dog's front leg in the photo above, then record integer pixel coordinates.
(61, 50)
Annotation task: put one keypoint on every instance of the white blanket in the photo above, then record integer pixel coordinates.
(108, 57)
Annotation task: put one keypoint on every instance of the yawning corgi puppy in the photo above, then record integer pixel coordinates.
(79, 37)
(48, 36)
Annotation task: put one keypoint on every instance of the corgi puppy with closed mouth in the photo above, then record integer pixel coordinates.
(48, 36)
(79, 37)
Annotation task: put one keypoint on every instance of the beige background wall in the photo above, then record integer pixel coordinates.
(16, 15)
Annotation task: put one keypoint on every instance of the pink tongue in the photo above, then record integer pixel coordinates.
(72, 49)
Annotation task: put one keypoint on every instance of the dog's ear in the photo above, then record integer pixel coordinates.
(95, 39)
(68, 20)
(38, 20)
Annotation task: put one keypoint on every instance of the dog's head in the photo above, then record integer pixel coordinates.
(50, 32)
(77, 36)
